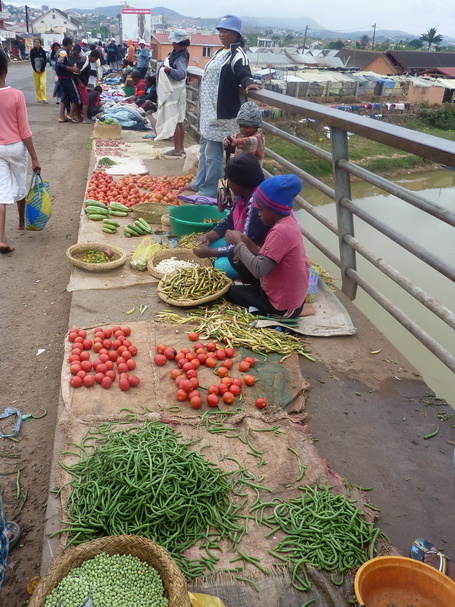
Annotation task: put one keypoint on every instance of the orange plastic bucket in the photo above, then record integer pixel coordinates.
(401, 581)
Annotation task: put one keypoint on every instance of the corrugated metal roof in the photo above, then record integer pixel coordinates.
(420, 60)
(447, 71)
(198, 39)
(353, 57)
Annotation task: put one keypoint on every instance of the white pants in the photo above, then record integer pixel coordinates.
(13, 172)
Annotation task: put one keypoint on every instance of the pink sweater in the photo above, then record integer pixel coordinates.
(13, 116)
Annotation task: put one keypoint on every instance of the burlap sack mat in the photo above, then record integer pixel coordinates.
(281, 469)
(283, 383)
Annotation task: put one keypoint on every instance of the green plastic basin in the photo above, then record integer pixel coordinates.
(188, 218)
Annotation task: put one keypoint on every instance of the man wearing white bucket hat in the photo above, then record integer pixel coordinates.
(143, 58)
(171, 92)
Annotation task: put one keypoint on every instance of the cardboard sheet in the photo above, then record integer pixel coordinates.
(330, 318)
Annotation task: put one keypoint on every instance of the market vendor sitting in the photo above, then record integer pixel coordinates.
(244, 174)
(280, 265)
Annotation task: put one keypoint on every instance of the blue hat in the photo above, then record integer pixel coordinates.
(278, 193)
(230, 22)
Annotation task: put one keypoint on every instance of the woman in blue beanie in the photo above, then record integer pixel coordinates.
(280, 265)
(219, 103)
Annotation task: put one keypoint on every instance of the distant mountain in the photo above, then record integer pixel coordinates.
(283, 23)
(112, 11)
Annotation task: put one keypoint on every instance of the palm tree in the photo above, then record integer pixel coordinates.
(431, 37)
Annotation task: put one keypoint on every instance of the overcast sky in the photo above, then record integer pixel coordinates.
(413, 16)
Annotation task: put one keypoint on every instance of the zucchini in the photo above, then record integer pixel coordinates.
(111, 222)
(95, 217)
(144, 225)
(108, 231)
(98, 210)
(118, 213)
(95, 203)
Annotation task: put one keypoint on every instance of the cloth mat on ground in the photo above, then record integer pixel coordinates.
(123, 166)
(330, 318)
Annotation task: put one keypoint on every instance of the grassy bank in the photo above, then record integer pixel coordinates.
(375, 157)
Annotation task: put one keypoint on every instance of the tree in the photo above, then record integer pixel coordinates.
(288, 38)
(364, 40)
(416, 43)
(431, 37)
(335, 44)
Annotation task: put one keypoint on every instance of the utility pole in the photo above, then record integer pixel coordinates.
(26, 18)
(374, 36)
(304, 37)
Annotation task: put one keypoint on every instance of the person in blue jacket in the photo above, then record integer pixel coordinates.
(244, 175)
(219, 103)
(143, 59)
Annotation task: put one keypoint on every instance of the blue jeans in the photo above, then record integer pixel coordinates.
(210, 169)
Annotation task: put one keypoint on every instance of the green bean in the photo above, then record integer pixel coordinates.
(431, 434)
(245, 579)
(40, 416)
(18, 484)
(308, 603)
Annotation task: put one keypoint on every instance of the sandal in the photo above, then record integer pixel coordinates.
(13, 528)
(6, 249)
(173, 154)
(421, 547)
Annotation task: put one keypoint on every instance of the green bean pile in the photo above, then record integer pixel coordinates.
(144, 482)
(225, 321)
(189, 241)
(324, 530)
(193, 283)
(110, 581)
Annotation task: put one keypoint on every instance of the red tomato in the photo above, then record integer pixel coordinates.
(169, 353)
(187, 366)
(121, 360)
(160, 360)
(227, 381)
(116, 344)
(237, 382)
(261, 403)
(191, 373)
(235, 389)
(107, 344)
(97, 348)
(193, 336)
(75, 368)
(190, 356)
(109, 365)
(213, 389)
(187, 385)
(185, 351)
(211, 347)
(113, 355)
(101, 368)
(244, 366)
(210, 362)
(85, 355)
(182, 362)
(196, 402)
(124, 384)
(72, 336)
(74, 358)
(222, 388)
(121, 349)
(228, 363)
(222, 372)
(104, 351)
(127, 343)
(106, 383)
(99, 377)
(104, 358)
(198, 346)
(181, 395)
(196, 363)
(179, 356)
(175, 373)
(213, 400)
(131, 364)
(82, 373)
(122, 368)
(126, 331)
(194, 381)
(132, 350)
(82, 333)
(76, 381)
(86, 365)
(110, 373)
(178, 380)
(126, 355)
(202, 358)
(87, 344)
(88, 380)
(228, 398)
(107, 332)
(250, 360)
(194, 393)
(229, 352)
(220, 354)
(200, 350)
(160, 348)
(134, 380)
(79, 340)
(249, 380)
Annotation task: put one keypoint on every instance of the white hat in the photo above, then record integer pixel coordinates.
(142, 41)
(178, 36)
(84, 41)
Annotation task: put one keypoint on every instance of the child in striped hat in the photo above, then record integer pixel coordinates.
(250, 137)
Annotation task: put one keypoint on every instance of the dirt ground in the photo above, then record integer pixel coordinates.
(369, 412)
(34, 316)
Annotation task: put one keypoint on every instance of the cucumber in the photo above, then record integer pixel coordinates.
(118, 206)
(137, 228)
(141, 227)
(111, 222)
(129, 231)
(118, 213)
(108, 231)
(95, 217)
(98, 210)
(144, 225)
(95, 203)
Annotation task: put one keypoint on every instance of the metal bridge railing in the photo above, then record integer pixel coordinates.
(427, 146)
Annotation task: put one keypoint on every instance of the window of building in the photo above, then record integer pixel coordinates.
(42, 21)
(53, 16)
(206, 51)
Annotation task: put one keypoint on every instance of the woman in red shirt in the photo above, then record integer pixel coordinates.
(15, 142)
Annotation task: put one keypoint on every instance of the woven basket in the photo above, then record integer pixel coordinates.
(76, 252)
(185, 254)
(175, 589)
(188, 303)
(150, 211)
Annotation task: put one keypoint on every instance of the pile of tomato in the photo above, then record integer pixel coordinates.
(113, 348)
(185, 375)
(133, 189)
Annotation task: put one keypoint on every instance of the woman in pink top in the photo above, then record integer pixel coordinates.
(280, 264)
(15, 142)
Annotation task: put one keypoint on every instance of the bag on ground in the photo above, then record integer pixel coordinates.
(142, 254)
(38, 205)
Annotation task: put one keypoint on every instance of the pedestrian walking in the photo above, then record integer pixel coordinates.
(38, 60)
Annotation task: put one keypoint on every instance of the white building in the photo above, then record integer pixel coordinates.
(56, 21)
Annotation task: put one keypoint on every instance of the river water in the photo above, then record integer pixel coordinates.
(437, 186)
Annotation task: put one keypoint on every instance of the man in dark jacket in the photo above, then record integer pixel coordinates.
(38, 60)
(112, 55)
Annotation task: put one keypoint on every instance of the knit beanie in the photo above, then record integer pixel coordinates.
(249, 114)
(278, 193)
(244, 170)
